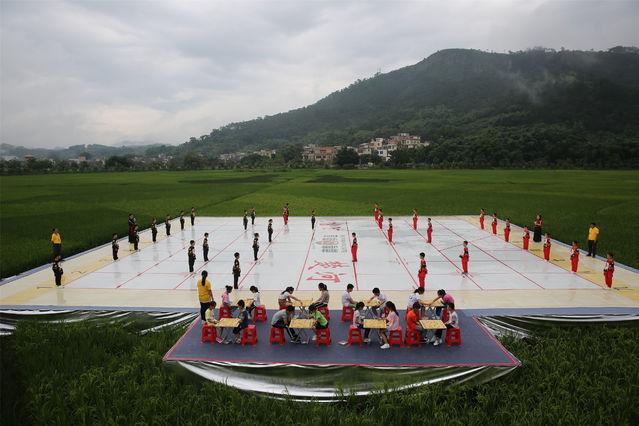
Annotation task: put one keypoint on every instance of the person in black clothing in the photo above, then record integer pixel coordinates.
(256, 245)
(537, 229)
(57, 271)
(191, 254)
(245, 220)
(154, 230)
(182, 220)
(131, 225)
(313, 219)
(253, 216)
(115, 246)
(236, 269)
(270, 229)
(205, 247)
(136, 238)
(192, 216)
(167, 225)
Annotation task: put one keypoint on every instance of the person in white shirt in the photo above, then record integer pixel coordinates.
(358, 320)
(256, 299)
(347, 300)
(453, 322)
(381, 298)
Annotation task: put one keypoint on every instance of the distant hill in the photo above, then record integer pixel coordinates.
(90, 151)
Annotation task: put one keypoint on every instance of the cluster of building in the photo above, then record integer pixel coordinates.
(383, 147)
(237, 156)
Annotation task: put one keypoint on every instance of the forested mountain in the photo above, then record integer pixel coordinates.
(536, 107)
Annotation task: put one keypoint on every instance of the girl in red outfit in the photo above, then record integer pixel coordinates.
(415, 219)
(494, 224)
(464, 258)
(285, 214)
(380, 218)
(507, 230)
(574, 256)
(609, 269)
(481, 218)
(547, 245)
(429, 231)
(421, 274)
(354, 248)
(390, 229)
(376, 212)
(526, 237)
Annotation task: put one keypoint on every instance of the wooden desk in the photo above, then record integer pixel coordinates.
(247, 302)
(228, 323)
(375, 323)
(302, 303)
(432, 324)
(435, 304)
(301, 323)
(372, 304)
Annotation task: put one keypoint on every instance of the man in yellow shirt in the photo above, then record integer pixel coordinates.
(593, 236)
(56, 241)
(205, 294)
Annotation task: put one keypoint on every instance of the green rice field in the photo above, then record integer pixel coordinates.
(88, 208)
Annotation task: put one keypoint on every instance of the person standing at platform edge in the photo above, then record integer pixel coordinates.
(256, 245)
(56, 242)
(415, 219)
(192, 216)
(494, 224)
(574, 256)
(205, 247)
(593, 236)
(205, 294)
(245, 220)
(132, 222)
(421, 274)
(114, 246)
(464, 258)
(167, 225)
(526, 238)
(136, 238)
(537, 229)
(57, 270)
(182, 220)
(313, 220)
(236, 269)
(507, 230)
(354, 247)
(154, 230)
(191, 254)
(429, 231)
(253, 216)
(547, 246)
(380, 219)
(609, 270)
(390, 230)
(269, 230)
(285, 213)
(481, 218)
(376, 212)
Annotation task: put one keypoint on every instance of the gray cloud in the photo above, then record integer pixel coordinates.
(104, 72)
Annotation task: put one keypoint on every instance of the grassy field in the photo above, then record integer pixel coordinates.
(88, 208)
(112, 375)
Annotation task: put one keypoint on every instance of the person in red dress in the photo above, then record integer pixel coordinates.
(376, 212)
(464, 258)
(526, 237)
(415, 219)
(547, 245)
(421, 274)
(285, 214)
(574, 256)
(481, 218)
(609, 269)
(390, 229)
(354, 247)
(429, 231)
(507, 230)
(494, 224)
(380, 219)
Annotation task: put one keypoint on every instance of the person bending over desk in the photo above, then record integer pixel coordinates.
(445, 298)
(415, 297)
(381, 297)
(324, 296)
(243, 317)
(452, 322)
(358, 320)
(285, 298)
(392, 323)
(319, 320)
(282, 319)
(256, 299)
(226, 298)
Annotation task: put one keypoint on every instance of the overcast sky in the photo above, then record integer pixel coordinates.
(107, 72)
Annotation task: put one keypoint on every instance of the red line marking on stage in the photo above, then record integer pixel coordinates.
(484, 251)
(354, 267)
(308, 251)
(442, 253)
(239, 285)
(415, 284)
(490, 335)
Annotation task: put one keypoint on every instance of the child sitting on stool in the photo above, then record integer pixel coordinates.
(243, 317)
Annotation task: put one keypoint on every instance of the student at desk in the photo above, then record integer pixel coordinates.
(209, 315)
(256, 299)
(358, 320)
(381, 297)
(347, 300)
(452, 322)
(226, 298)
(392, 323)
(286, 297)
(324, 296)
(412, 320)
(319, 320)
(282, 319)
(445, 298)
(243, 317)
(415, 297)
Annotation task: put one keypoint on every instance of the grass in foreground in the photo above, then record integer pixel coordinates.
(88, 208)
(80, 373)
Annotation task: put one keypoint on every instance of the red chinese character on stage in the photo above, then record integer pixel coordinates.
(337, 226)
(325, 276)
(331, 264)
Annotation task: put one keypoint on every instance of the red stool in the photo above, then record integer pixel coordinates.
(395, 338)
(413, 338)
(324, 310)
(323, 336)
(277, 336)
(209, 333)
(453, 335)
(347, 313)
(249, 335)
(259, 314)
(225, 312)
(355, 336)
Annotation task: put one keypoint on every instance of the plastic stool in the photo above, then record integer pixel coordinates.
(209, 333)
(225, 312)
(413, 338)
(355, 336)
(395, 338)
(347, 313)
(259, 314)
(277, 336)
(323, 336)
(453, 335)
(249, 335)
(325, 311)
